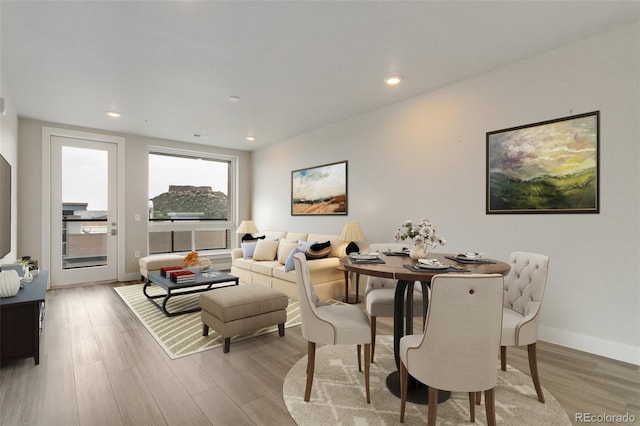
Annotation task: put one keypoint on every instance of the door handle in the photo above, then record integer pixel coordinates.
(114, 232)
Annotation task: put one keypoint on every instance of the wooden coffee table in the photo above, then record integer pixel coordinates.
(201, 284)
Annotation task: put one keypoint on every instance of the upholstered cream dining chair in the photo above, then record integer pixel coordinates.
(457, 350)
(524, 287)
(329, 324)
(379, 293)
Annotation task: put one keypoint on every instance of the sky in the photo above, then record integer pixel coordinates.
(84, 175)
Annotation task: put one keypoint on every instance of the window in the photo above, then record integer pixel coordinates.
(191, 201)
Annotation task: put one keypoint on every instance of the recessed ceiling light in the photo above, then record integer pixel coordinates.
(250, 138)
(393, 80)
(113, 114)
(234, 98)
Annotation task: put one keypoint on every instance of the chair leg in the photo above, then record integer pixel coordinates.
(433, 406)
(311, 361)
(490, 406)
(503, 358)
(478, 398)
(533, 366)
(359, 360)
(367, 369)
(373, 336)
(472, 407)
(404, 379)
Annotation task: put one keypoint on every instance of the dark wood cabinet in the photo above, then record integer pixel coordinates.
(21, 319)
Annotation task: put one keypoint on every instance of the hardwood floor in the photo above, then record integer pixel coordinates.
(99, 366)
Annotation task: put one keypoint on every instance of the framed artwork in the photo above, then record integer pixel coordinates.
(320, 190)
(547, 167)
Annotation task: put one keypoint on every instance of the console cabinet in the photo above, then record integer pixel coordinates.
(21, 318)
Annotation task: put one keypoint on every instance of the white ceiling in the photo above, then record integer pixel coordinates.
(170, 67)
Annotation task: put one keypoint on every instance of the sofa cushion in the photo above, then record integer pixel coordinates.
(302, 248)
(266, 250)
(264, 267)
(284, 249)
(248, 248)
(243, 263)
(321, 270)
(318, 250)
(296, 236)
(275, 234)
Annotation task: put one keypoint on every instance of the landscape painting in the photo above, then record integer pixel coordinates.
(320, 190)
(547, 167)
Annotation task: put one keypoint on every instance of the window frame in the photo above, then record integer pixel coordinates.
(195, 225)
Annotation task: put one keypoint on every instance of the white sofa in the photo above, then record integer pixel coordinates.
(327, 280)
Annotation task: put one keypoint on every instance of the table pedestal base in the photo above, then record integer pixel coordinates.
(417, 392)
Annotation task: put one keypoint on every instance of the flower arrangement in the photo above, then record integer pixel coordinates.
(421, 233)
(192, 259)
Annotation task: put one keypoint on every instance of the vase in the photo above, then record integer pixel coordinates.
(418, 251)
(9, 283)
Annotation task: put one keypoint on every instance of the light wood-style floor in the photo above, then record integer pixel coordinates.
(99, 366)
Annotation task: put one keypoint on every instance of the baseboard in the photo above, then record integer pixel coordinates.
(594, 345)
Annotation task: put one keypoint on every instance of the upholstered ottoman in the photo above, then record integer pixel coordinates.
(153, 263)
(242, 309)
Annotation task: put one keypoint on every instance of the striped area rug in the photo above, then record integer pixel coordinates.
(181, 335)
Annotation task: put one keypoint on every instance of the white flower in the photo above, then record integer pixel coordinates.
(422, 233)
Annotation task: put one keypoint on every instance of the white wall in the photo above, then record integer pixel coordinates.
(426, 157)
(9, 150)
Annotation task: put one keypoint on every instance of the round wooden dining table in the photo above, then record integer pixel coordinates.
(403, 269)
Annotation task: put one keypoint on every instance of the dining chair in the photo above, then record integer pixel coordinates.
(330, 324)
(524, 287)
(457, 350)
(379, 293)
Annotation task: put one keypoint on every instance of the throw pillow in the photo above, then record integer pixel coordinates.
(265, 250)
(319, 251)
(302, 248)
(248, 249)
(284, 249)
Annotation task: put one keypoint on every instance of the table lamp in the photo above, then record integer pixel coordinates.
(352, 233)
(247, 227)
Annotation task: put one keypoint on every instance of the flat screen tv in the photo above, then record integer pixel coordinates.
(5, 207)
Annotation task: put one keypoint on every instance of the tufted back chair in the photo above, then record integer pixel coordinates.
(380, 292)
(457, 350)
(524, 287)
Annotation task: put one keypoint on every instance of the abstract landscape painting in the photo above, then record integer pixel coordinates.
(547, 167)
(320, 190)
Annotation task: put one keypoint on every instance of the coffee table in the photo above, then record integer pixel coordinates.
(201, 284)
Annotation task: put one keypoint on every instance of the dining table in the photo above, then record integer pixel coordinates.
(406, 271)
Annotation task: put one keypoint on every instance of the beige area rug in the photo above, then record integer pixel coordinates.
(338, 395)
(181, 335)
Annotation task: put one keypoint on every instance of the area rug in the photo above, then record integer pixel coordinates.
(181, 335)
(338, 395)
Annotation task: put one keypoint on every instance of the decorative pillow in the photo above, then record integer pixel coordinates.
(319, 250)
(284, 249)
(248, 248)
(302, 248)
(266, 250)
(249, 237)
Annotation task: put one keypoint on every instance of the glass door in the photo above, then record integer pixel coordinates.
(84, 231)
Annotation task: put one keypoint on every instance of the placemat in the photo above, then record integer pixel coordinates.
(462, 260)
(414, 268)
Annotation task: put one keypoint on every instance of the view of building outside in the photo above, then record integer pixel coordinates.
(84, 204)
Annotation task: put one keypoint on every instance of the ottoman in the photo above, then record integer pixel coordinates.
(153, 263)
(242, 309)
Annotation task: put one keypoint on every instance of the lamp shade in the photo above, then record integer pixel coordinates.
(352, 232)
(247, 227)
